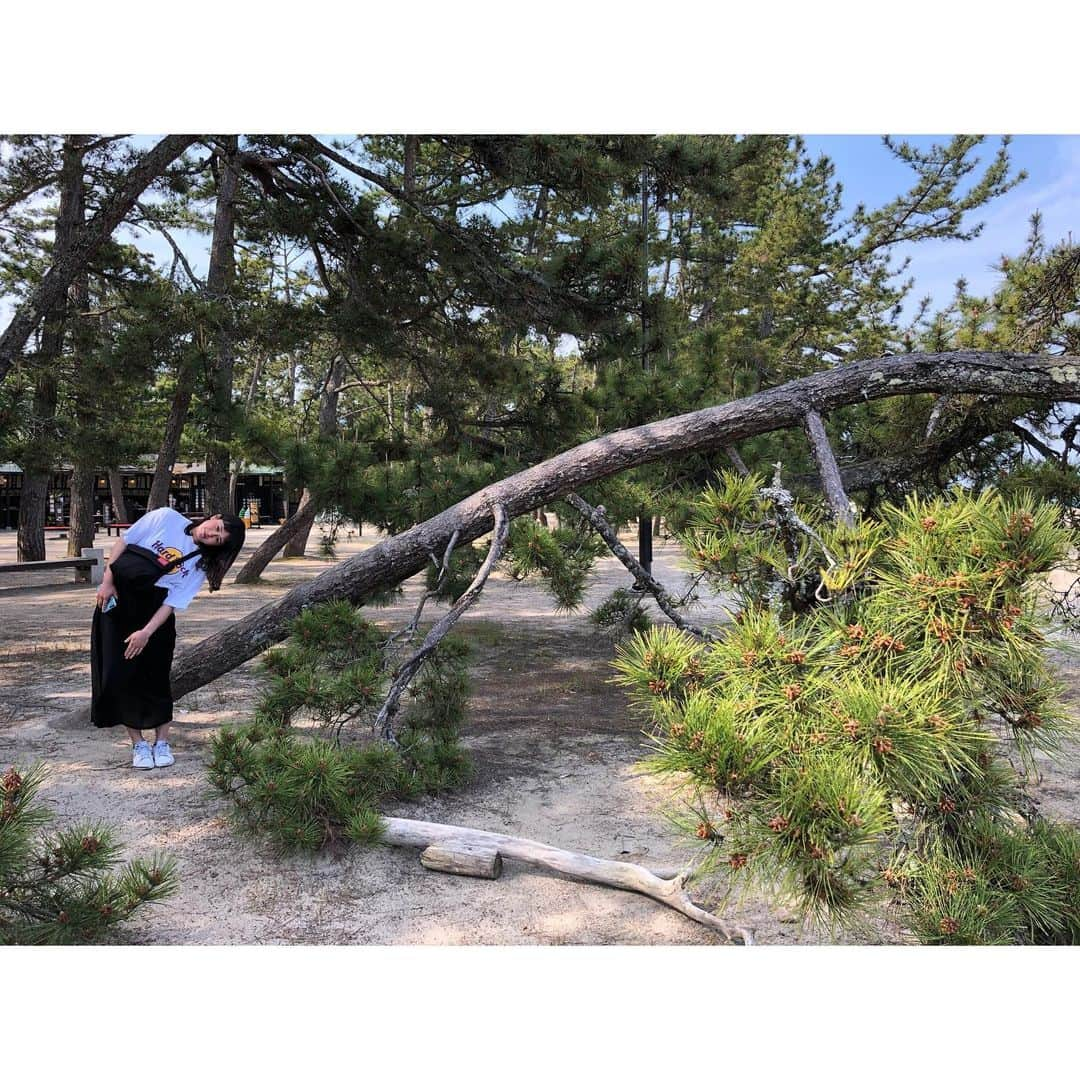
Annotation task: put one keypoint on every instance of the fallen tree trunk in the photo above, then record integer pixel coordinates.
(405, 832)
(399, 557)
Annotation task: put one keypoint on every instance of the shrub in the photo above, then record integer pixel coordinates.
(862, 727)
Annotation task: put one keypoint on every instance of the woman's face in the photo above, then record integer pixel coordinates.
(211, 532)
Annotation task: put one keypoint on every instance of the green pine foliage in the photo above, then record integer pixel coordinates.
(621, 614)
(289, 780)
(561, 558)
(65, 886)
(862, 728)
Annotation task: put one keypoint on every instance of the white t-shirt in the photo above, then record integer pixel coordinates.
(163, 531)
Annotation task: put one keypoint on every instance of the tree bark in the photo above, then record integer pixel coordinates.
(296, 548)
(174, 428)
(40, 459)
(219, 281)
(119, 499)
(412, 143)
(33, 511)
(67, 265)
(399, 557)
(81, 533)
(250, 571)
(84, 382)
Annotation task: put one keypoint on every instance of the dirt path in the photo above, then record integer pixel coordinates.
(553, 743)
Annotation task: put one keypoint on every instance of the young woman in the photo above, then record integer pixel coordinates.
(154, 570)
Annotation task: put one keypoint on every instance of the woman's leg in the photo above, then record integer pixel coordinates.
(162, 733)
(134, 734)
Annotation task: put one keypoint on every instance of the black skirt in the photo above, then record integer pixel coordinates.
(136, 692)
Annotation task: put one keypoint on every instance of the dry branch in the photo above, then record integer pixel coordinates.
(594, 515)
(827, 468)
(384, 722)
(405, 832)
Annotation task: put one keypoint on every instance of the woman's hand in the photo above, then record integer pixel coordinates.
(136, 643)
(105, 590)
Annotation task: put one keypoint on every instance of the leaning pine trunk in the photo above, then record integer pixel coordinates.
(1055, 378)
(253, 568)
(328, 407)
(119, 499)
(297, 546)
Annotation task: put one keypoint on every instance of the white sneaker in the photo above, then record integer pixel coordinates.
(162, 754)
(142, 756)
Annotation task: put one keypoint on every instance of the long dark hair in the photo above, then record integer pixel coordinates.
(215, 561)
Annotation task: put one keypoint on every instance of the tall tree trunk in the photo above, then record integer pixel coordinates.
(67, 265)
(249, 399)
(411, 145)
(84, 388)
(119, 500)
(328, 409)
(219, 280)
(81, 533)
(398, 557)
(174, 428)
(33, 510)
(41, 456)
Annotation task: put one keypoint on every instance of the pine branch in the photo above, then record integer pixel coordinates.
(595, 517)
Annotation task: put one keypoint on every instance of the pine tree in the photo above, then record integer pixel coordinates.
(863, 725)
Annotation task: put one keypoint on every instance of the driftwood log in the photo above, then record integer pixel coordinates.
(461, 857)
(405, 832)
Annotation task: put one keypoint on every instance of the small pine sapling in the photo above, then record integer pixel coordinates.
(289, 782)
(65, 887)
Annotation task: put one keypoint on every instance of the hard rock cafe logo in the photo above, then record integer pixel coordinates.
(166, 556)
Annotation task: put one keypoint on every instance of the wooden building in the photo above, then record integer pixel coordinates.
(260, 488)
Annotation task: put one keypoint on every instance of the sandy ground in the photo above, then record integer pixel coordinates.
(552, 740)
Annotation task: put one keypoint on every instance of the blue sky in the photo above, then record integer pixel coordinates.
(870, 174)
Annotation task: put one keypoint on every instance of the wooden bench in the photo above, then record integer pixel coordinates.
(117, 525)
(89, 569)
